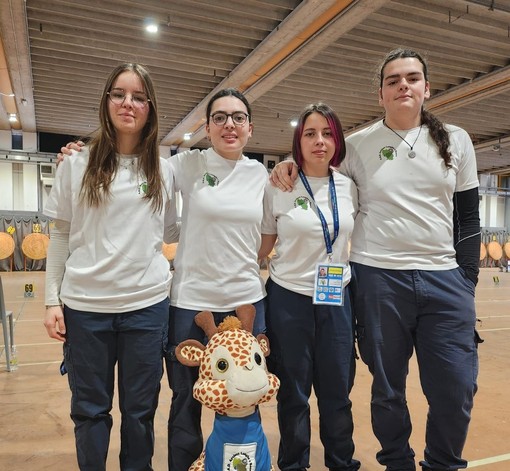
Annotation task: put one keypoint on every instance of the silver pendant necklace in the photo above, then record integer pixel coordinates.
(411, 154)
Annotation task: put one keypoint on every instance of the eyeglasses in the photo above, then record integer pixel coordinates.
(238, 118)
(118, 95)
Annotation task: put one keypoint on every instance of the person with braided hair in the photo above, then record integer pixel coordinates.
(414, 255)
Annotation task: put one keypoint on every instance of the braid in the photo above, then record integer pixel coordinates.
(436, 128)
(439, 134)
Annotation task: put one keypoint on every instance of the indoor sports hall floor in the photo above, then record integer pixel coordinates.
(36, 432)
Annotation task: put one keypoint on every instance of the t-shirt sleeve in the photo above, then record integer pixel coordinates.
(268, 219)
(467, 176)
(59, 203)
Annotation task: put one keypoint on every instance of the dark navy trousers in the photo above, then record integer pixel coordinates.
(185, 440)
(95, 344)
(312, 345)
(433, 313)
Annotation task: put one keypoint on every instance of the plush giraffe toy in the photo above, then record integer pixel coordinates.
(232, 380)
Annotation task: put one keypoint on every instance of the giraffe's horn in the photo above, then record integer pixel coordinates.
(246, 314)
(205, 321)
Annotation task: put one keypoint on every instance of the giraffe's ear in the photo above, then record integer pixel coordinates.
(264, 344)
(190, 352)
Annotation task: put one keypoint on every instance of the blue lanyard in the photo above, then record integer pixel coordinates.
(334, 204)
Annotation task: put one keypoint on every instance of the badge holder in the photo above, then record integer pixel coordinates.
(329, 284)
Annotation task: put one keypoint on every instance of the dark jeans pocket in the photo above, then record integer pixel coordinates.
(468, 283)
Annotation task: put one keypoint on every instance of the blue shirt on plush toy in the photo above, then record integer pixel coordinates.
(237, 443)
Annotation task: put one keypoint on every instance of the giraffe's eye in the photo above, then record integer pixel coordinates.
(222, 365)
(258, 359)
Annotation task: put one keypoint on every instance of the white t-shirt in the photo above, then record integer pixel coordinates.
(301, 245)
(115, 262)
(406, 205)
(216, 262)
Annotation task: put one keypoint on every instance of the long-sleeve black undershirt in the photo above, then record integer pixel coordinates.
(466, 231)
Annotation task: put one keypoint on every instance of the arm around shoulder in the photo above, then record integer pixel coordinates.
(284, 175)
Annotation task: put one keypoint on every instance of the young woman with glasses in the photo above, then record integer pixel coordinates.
(216, 264)
(415, 253)
(107, 281)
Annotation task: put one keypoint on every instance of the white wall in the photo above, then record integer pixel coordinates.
(499, 210)
(17, 184)
(5, 140)
(30, 188)
(30, 141)
(483, 210)
(492, 211)
(6, 193)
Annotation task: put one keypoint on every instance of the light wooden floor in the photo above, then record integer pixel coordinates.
(36, 432)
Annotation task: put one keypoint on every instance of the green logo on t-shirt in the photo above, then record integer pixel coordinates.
(303, 202)
(388, 152)
(142, 188)
(210, 179)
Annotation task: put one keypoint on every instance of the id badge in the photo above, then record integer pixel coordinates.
(329, 284)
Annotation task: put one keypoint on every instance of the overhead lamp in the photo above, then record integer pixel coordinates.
(294, 123)
(13, 118)
(7, 94)
(187, 136)
(151, 26)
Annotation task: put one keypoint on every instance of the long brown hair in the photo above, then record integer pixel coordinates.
(103, 159)
(437, 129)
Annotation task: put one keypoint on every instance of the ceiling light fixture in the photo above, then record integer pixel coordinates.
(294, 123)
(151, 26)
(7, 94)
(187, 136)
(13, 118)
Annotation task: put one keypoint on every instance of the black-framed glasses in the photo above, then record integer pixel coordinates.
(118, 95)
(239, 118)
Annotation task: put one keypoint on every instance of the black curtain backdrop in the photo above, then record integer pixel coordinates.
(23, 225)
